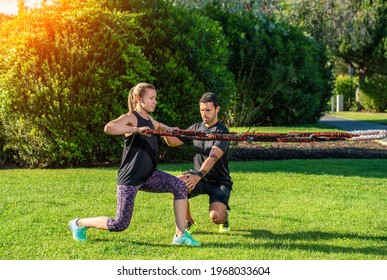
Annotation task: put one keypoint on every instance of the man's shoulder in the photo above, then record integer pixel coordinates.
(218, 127)
(221, 127)
(197, 126)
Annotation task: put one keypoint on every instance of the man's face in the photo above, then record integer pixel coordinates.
(209, 113)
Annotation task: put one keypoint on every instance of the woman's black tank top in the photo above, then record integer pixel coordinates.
(139, 157)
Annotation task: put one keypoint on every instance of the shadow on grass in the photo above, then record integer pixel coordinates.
(336, 167)
(369, 168)
(311, 235)
(315, 239)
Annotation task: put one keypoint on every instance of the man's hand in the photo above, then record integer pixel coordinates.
(190, 180)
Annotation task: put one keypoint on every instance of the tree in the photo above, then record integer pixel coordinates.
(354, 30)
(257, 7)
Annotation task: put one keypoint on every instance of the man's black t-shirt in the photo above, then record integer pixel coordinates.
(220, 173)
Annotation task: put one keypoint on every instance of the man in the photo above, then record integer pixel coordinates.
(211, 175)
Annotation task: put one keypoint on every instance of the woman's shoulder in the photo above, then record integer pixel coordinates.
(130, 115)
(128, 118)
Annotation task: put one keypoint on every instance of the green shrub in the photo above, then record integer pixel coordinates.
(346, 86)
(373, 95)
(282, 75)
(3, 153)
(64, 72)
(189, 55)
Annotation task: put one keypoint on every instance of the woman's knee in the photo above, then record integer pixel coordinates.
(180, 190)
(117, 225)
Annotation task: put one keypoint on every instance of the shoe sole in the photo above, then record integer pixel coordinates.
(183, 244)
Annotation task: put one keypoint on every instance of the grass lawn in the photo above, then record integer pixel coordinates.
(281, 210)
(282, 129)
(380, 118)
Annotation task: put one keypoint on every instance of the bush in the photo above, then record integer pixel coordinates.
(282, 75)
(373, 95)
(189, 55)
(346, 86)
(65, 71)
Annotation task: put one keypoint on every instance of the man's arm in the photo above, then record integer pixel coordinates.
(171, 141)
(192, 179)
(215, 154)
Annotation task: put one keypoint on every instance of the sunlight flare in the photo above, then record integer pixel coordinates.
(10, 7)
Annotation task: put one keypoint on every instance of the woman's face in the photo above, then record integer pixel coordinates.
(148, 101)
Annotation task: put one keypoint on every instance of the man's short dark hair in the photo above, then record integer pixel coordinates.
(210, 97)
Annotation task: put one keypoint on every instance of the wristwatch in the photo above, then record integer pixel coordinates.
(200, 174)
(194, 172)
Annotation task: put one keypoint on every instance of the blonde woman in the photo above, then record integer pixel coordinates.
(138, 170)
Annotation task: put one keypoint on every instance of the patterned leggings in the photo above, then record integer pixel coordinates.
(159, 182)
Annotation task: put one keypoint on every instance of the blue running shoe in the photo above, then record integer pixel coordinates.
(185, 239)
(79, 233)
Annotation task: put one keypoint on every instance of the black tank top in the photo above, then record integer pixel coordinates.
(140, 156)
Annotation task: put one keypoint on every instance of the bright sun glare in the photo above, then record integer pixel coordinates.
(9, 7)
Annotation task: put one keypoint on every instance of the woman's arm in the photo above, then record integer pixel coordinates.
(124, 125)
(171, 141)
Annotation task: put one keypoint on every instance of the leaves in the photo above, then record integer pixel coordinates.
(65, 74)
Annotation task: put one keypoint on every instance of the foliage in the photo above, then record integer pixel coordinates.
(258, 7)
(282, 75)
(65, 71)
(353, 30)
(4, 18)
(189, 55)
(346, 86)
(374, 94)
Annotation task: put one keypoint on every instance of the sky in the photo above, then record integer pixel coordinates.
(9, 7)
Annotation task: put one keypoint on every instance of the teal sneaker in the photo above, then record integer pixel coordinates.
(79, 233)
(191, 228)
(185, 239)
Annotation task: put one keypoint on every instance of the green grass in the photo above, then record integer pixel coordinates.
(282, 129)
(380, 118)
(281, 210)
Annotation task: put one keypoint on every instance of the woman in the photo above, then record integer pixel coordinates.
(138, 169)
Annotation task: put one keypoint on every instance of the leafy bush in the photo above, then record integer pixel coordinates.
(282, 75)
(64, 72)
(189, 55)
(373, 95)
(346, 86)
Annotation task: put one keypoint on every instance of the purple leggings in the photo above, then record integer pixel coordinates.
(159, 182)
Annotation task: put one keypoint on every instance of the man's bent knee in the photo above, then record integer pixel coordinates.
(218, 213)
(218, 218)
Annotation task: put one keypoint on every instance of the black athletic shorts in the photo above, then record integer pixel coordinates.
(217, 193)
